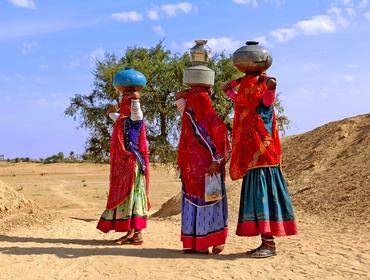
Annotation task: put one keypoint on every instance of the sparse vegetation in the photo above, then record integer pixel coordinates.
(55, 158)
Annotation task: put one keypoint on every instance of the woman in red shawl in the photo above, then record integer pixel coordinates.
(265, 205)
(128, 202)
(202, 153)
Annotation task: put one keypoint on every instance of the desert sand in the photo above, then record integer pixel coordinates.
(48, 215)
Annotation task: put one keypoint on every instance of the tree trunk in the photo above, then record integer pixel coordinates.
(164, 128)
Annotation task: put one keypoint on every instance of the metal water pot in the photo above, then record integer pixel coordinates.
(252, 58)
(199, 75)
(200, 53)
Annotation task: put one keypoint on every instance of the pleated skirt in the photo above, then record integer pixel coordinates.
(265, 204)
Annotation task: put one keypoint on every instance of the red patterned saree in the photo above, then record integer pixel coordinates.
(252, 145)
(204, 138)
(123, 162)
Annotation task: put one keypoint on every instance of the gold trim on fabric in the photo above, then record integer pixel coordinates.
(254, 167)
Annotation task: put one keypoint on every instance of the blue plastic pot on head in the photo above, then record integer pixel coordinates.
(129, 77)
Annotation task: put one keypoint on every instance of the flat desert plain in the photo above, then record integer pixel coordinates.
(59, 240)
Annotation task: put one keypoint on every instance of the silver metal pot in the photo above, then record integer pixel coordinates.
(199, 75)
(252, 58)
(200, 53)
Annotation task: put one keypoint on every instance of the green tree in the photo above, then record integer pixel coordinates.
(224, 70)
(164, 72)
(59, 157)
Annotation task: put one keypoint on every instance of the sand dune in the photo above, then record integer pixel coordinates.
(328, 170)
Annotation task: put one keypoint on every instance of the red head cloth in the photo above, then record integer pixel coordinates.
(194, 155)
(123, 162)
(252, 145)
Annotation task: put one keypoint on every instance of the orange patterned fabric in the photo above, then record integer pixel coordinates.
(123, 162)
(252, 145)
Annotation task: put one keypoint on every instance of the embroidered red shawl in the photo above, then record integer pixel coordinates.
(194, 156)
(252, 145)
(123, 162)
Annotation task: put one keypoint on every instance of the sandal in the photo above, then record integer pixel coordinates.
(123, 239)
(260, 253)
(218, 249)
(136, 239)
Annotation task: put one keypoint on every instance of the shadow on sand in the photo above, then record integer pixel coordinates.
(128, 251)
(19, 239)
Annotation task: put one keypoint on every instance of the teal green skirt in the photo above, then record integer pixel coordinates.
(265, 204)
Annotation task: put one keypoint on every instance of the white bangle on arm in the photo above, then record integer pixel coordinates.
(136, 113)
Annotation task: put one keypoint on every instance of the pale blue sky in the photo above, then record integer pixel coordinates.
(321, 55)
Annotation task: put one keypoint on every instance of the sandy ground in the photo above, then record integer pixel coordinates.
(70, 247)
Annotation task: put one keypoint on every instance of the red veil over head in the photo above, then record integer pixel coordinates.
(252, 145)
(123, 162)
(194, 158)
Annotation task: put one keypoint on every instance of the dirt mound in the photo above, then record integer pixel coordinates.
(16, 211)
(170, 208)
(327, 170)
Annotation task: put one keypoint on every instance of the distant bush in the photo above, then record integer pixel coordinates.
(20, 159)
(57, 158)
